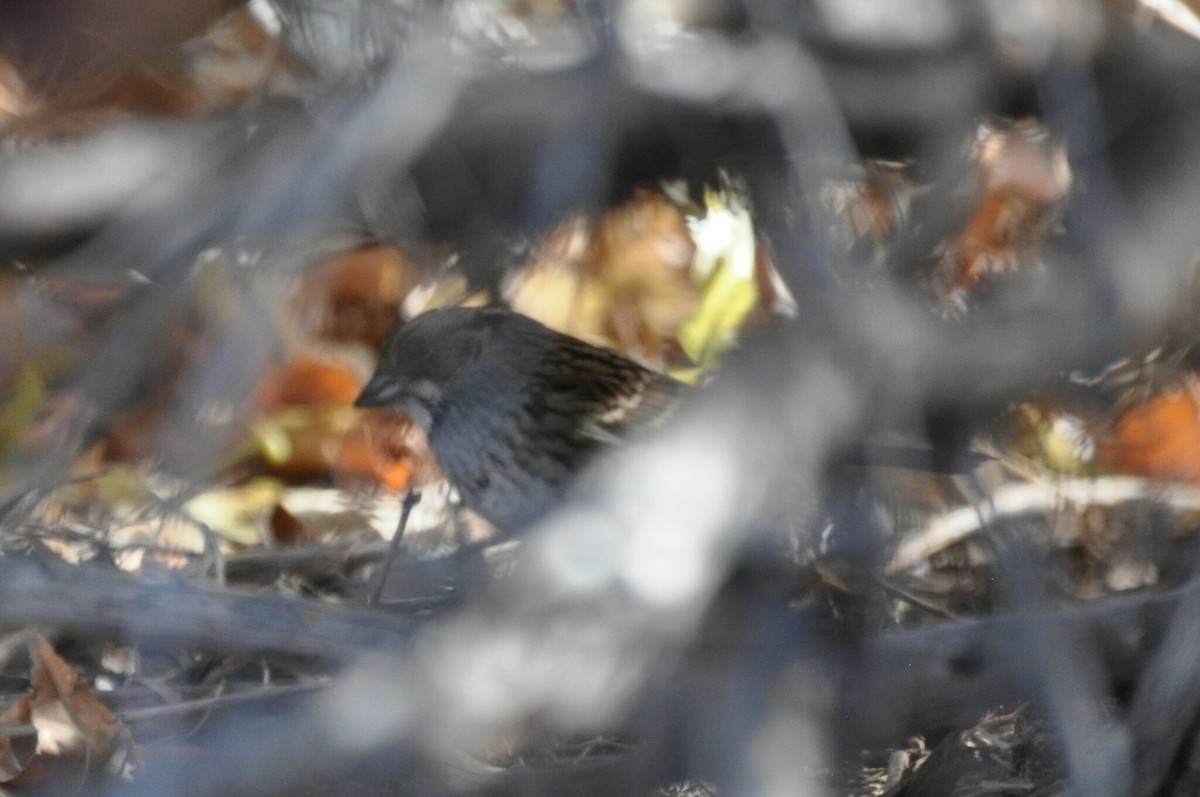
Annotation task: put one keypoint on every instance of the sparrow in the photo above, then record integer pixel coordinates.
(512, 409)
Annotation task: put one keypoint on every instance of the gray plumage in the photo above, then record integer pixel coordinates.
(513, 410)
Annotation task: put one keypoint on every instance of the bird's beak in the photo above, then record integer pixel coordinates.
(382, 390)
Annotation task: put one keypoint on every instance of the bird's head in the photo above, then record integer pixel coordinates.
(426, 357)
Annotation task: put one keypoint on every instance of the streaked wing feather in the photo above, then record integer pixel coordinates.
(651, 399)
(616, 395)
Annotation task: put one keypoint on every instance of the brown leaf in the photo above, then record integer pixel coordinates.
(1024, 179)
(15, 754)
(287, 529)
(356, 295)
(104, 62)
(71, 723)
(95, 43)
(623, 281)
(873, 204)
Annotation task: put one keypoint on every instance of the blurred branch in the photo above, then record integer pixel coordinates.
(91, 601)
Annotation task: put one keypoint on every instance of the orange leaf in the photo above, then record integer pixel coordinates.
(1160, 438)
(391, 449)
(306, 381)
(359, 456)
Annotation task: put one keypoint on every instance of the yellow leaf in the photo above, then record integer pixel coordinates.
(237, 513)
(22, 404)
(724, 264)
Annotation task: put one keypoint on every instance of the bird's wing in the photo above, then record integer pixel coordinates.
(603, 395)
(646, 402)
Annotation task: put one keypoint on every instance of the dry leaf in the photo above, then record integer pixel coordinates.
(307, 381)
(623, 281)
(171, 539)
(726, 265)
(1159, 438)
(391, 449)
(286, 529)
(1024, 180)
(871, 206)
(237, 514)
(356, 295)
(640, 254)
(105, 62)
(72, 724)
(15, 754)
(1054, 438)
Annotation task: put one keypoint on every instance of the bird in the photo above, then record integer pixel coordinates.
(512, 409)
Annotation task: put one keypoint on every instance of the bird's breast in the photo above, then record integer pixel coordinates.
(487, 451)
